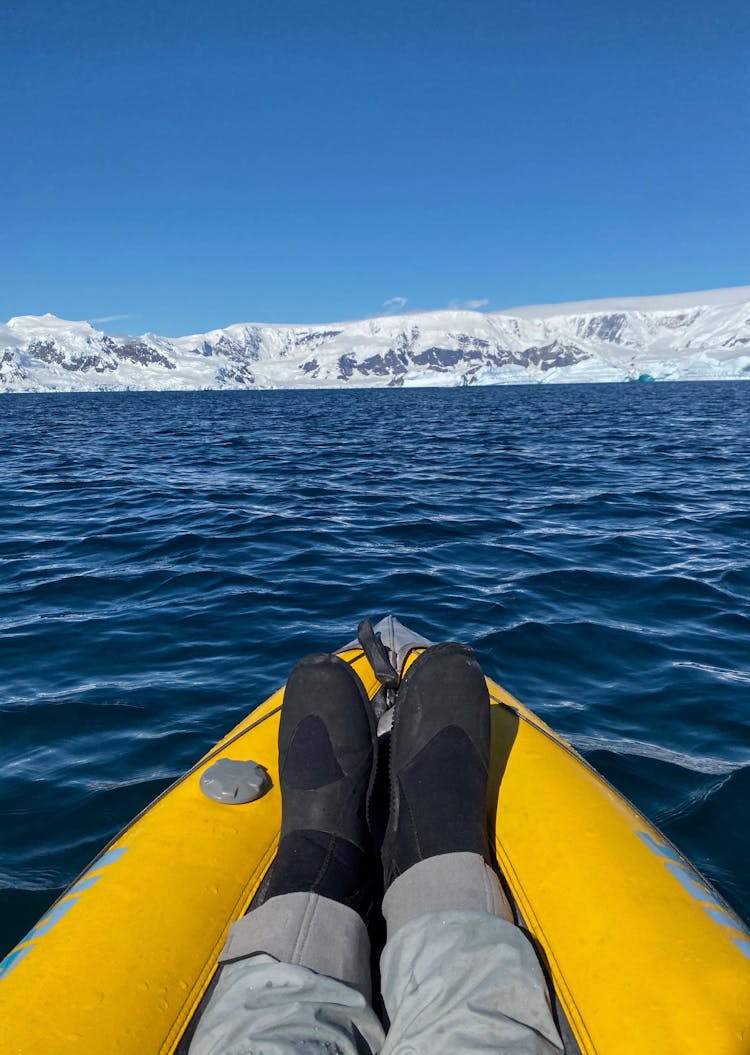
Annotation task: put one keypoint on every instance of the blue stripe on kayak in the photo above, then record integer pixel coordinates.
(13, 959)
(54, 917)
(724, 918)
(692, 882)
(107, 859)
(660, 848)
(743, 946)
(84, 884)
(60, 910)
(695, 889)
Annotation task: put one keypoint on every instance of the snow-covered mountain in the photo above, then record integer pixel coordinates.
(698, 336)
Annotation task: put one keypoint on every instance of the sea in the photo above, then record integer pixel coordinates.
(165, 558)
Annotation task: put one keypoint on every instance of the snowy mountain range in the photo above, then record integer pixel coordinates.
(692, 336)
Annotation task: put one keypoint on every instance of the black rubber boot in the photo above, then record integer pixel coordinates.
(326, 769)
(440, 750)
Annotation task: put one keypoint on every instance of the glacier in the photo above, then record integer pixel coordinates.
(683, 337)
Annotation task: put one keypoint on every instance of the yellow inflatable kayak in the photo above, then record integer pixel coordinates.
(641, 954)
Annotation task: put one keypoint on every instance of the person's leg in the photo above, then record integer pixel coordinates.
(457, 975)
(296, 970)
(264, 1007)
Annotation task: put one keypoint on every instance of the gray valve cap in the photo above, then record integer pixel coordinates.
(234, 782)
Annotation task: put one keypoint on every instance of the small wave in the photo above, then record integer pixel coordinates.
(28, 882)
(719, 672)
(625, 746)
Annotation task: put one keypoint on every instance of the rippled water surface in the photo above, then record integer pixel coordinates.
(167, 557)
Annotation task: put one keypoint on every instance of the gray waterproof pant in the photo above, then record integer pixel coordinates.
(456, 975)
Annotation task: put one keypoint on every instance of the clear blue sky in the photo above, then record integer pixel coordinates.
(191, 164)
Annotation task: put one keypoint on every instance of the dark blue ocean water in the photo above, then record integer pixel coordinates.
(166, 558)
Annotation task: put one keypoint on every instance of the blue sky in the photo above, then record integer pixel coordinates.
(192, 164)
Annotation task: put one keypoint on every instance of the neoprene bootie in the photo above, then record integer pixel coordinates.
(440, 750)
(326, 769)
